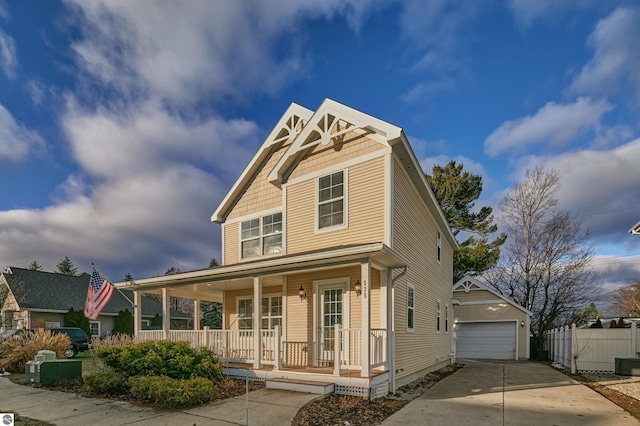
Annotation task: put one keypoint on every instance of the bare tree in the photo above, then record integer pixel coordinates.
(626, 301)
(545, 264)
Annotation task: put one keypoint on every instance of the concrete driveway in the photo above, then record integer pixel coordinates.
(510, 393)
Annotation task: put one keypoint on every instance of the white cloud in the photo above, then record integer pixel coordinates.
(601, 186)
(616, 60)
(553, 125)
(16, 141)
(8, 58)
(527, 11)
(178, 53)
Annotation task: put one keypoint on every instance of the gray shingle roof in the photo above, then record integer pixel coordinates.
(37, 290)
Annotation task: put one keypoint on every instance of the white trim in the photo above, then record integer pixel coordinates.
(446, 318)
(413, 308)
(223, 231)
(388, 199)
(99, 328)
(481, 302)
(338, 166)
(284, 307)
(260, 237)
(345, 203)
(284, 220)
(261, 213)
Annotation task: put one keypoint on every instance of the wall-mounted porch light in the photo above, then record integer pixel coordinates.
(302, 293)
(522, 324)
(358, 288)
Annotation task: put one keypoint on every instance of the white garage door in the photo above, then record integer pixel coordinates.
(486, 340)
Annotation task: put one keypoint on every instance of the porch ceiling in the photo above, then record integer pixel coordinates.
(209, 284)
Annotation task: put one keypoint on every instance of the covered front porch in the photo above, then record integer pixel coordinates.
(322, 316)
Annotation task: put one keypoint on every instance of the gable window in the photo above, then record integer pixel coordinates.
(271, 312)
(245, 314)
(439, 244)
(331, 200)
(261, 236)
(446, 318)
(438, 315)
(411, 292)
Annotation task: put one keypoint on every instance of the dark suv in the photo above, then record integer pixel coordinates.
(77, 336)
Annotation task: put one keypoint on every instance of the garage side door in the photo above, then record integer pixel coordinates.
(486, 340)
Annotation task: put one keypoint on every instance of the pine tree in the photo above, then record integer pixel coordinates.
(65, 266)
(34, 266)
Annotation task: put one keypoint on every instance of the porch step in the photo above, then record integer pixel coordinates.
(305, 386)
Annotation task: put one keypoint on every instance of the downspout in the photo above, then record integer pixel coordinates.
(392, 334)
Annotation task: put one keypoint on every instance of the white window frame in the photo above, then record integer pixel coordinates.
(411, 307)
(269, 316)
(446, 318)
(250, 317)
(438, 315)
(261, 235)
(438, 245)
(144, 323)
(345, 202)
(99, 328)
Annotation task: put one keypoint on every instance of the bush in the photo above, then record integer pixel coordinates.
(172, 393)
(123, 323)
(176, 360)
(106, 383)
(15, 351)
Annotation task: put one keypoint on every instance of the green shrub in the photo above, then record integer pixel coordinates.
(172, 393)
(106, 383)
(15, 351)
(123, 323)
(176, 360)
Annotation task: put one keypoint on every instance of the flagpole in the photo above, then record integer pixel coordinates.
(133, 305)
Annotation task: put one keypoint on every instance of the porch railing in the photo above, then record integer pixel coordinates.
(240, 346)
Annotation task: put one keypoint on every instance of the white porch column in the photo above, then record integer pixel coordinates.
(137, 312)
(196, 314)
(166, 313)
(257, 312)
(384, 312)
(365, 344)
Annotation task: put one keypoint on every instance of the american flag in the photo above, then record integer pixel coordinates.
(100, 291)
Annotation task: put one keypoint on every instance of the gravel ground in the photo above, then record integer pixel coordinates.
(629, 386)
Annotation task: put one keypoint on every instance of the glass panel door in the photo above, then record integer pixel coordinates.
(330, 315)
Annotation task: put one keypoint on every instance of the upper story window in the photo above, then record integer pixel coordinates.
(331, 200)
(439, 243)
(261, 236)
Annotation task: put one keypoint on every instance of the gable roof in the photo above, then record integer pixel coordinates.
(289, 125)
(48, 291)
(469, 283)
(332, 119)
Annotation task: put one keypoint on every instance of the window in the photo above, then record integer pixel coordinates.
(245, 314)
(94, 326)
(331, 200)
(446, 318)
(439, 244)
(410, 307)
(51, 324)
(271, 312)
(261, 236)
(438, 315)
(144, 324)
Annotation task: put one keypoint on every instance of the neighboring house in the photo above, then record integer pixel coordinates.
(487, 324)
(635, 229)
(36, 298)
(336, 259)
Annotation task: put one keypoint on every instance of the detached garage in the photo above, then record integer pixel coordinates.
(487, 324)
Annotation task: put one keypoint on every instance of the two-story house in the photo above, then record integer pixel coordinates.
(336, 259)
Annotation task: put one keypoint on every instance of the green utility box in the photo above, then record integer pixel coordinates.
(48, 372)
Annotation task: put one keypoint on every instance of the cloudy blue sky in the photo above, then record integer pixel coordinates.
(124, 123)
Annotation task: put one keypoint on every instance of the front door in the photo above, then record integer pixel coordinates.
(330, 312)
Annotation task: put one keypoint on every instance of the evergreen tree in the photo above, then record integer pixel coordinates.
(65, 266)
(156, 322)
(211, 314)
(456, 192)
(127, 277)
(34, 266)
(75, 318)
(213, 263)
(123, 323)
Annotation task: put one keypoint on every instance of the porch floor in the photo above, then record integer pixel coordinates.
(305, 370)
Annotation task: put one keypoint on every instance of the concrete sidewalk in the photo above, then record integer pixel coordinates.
(266, 407)
(510, 393)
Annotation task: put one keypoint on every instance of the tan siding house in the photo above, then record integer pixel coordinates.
(337, 260)
(487, 324)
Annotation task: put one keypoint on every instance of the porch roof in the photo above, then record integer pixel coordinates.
(209, 284)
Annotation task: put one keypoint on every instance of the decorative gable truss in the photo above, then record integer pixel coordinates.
(331, 123)
(469, 283)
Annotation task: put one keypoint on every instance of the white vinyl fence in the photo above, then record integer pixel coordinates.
(591, 349)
